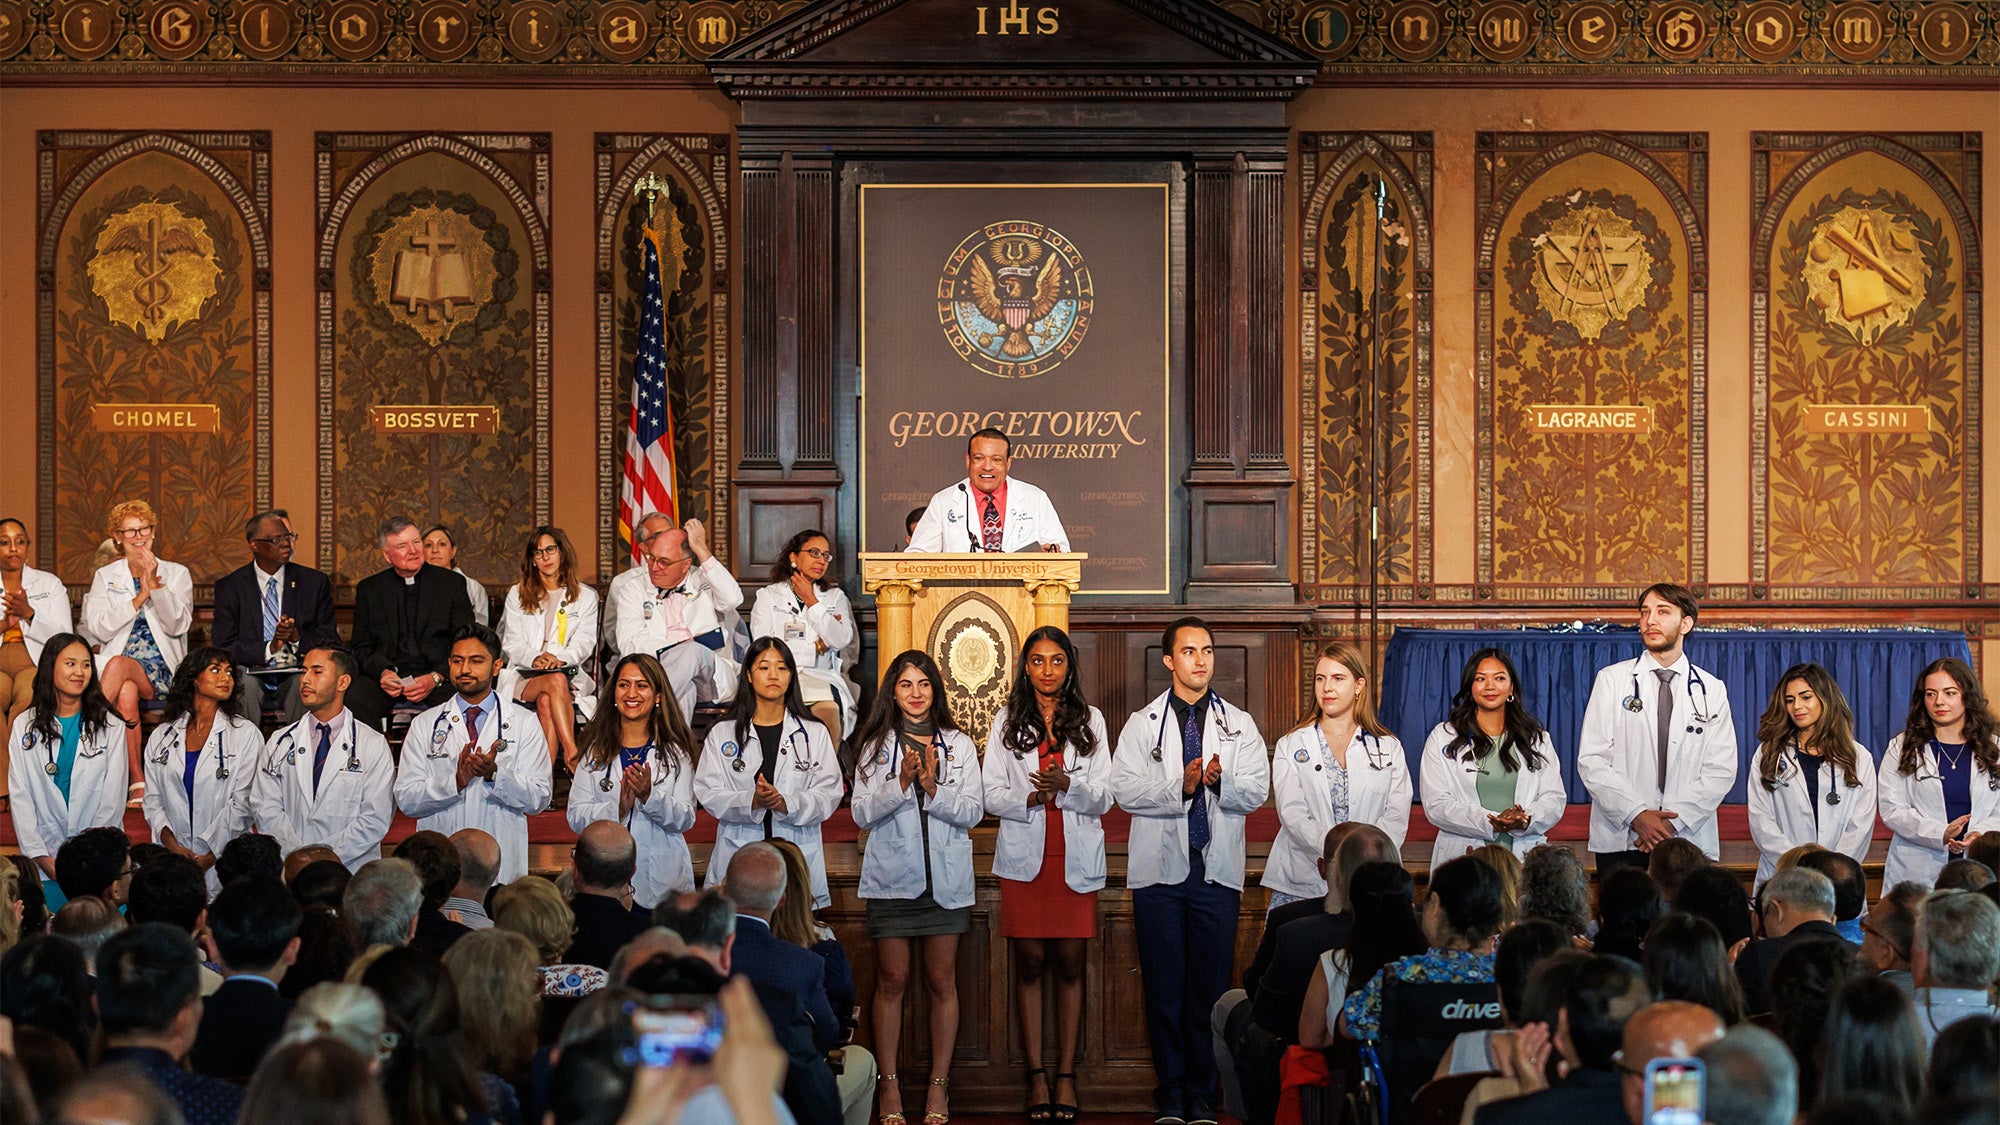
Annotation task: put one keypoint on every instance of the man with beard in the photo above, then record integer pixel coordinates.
(1658, 749)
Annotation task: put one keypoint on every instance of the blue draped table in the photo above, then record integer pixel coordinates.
(1876, 668)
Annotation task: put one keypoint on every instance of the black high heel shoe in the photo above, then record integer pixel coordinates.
(1041, 1112)
(1065, 1113)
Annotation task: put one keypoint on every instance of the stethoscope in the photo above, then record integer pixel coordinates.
(286, 752)
(734, 752)
(1371, 746)
(646, 754)
(1700, 711)
(53, 746)
(441, 732)
(1936, 773)
(176, 733)
(1216, 708)
(1788, 769)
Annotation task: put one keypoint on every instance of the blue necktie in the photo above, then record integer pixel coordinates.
(1191, 752)
(271, 609)
(319, 755)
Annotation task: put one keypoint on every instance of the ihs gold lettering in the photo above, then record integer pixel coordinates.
(1017, 19)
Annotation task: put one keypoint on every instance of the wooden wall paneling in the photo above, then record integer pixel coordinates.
(700, 324)
(1866, 293)
(153, 286)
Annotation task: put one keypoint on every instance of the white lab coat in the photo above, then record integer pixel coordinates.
(807, 775)
(220, 810)
(49, 598)
(1913, 808)
(642, 625)
(1782, 818)
(1017, 848)
(1617, 762)
(657, 824)
(1146, 781)
(427, 779)
(892, 864)
(1030, 520)
(482, 603)
(356, 798)
(777, 612)
(1378, 793)
(108, 614)
(526, 637)
(1451, 797)
(97, 785)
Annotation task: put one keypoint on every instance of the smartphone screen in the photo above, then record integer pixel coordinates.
(671, 1029)
(1674, 1092)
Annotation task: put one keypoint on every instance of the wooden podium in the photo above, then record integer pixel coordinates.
(970, 613)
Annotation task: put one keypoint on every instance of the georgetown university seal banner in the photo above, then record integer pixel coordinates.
(1037, 310)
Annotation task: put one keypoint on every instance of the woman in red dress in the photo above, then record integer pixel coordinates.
(1049, 751)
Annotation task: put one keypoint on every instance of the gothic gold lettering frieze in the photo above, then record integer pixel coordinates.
(1016, 19)
(355, 29)
(1505, 31)
(87, 29)
(445, 29)
(534, 30)
(13, 26)
(1866, 418)
(176, 29)
(624, 31)
(1680, 30)
(1593, 31)
(1944, 32)
(1564, 418)
(156, 417)
(427, 418)
(1857, 31)
(707, 28)
(1768, 32)
(1416, 30)
(265, 29)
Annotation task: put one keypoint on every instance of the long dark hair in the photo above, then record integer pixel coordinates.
(886, 718)
(532, 589)
(1918, 730)
(1381, 897)
(1686, 960)
(1523, 729)
(673, 742)
(744, 705)
(782, 570)
(180, 693)
(427, 1079)
(1873, 1044)
(1832, 738)
(1022, 731)
(96, 709)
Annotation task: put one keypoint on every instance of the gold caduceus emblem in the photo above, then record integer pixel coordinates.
(153, 267)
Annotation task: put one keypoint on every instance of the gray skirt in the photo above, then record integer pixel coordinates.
(915, 917)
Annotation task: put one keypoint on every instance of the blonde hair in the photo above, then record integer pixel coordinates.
(499, 998)
(125, 510)
(1507, 865)
(532, 907)
(1792, 856)
(1345, 653)
(793, 920)
(347, 1012)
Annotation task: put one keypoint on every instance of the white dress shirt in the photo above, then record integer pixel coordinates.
(354, 802)
(1617, 758)
(951, 522)
(427, 779)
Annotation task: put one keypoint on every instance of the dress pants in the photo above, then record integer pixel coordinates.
(1186, 950)
(250, 696)
(690, 668)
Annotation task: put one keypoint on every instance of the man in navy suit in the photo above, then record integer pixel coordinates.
(266, 604)
(254, 927)
(605, 859)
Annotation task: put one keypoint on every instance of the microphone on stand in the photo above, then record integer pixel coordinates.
(969, 536)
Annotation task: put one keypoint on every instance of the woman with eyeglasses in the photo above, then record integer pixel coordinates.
(1940, 778)
(441, 550)
(1489, 771)
(137, 612)
(550, 623)
(1815, 784)
(807, 610)
(65, 768)
(34, 606)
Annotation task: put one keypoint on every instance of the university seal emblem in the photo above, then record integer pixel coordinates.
(1015, 299)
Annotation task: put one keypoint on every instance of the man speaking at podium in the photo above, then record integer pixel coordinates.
(986, 511)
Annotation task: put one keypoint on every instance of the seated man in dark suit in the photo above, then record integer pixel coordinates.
(405, 617)
(254, 929)
(270, 607)
(604, 859)
(1797, 906)
(149, 1007)
(1590, 1027)
(436, 859)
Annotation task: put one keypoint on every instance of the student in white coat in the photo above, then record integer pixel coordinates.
(768, 769)
(34, 606)
(1657, 751)
(988, 511)
(476, 760)
(1814, 783)
(1048, 779)
(1190, 768)
(680, 614)
(1489, 771)
(637, 769)
(67, 763)
(441, 550)
(917, 793)
(137, 612)
(811, 614)
(1940, 778)
(201, 762)
(328, 778)
(1340, 764)
(550, 622)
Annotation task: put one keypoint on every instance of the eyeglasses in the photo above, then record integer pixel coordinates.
(135, 532)
(279, 540)
(547, 552)
(815, 552)
(660, 563)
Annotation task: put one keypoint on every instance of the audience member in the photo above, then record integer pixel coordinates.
(1553, 886)
(1670, 863)
(48, 1064)
(1603, 995)
(653, 943)
(1685, 960)
(1526, 1061)
(123, 1095)
(384, 900)
(428, 1078)
(1666, 1029)
(1965, 1060)
(1850, 889)
(1385, 929)
(328, 944)
(1507, 865)
(532, 907)
(1718, 895)
(297, 860)
(1963, 874)
(1955, 959)
(1985, 848)
(405, 617)
(604, 860)
(436, 859)
(149, 1007)
(1856, 1108)
(250, 855)
(1888, 932)
(323, 882)
(1627, 906)
(320, 1081)
(1872, 1044)
(89, 922)
(45, 983)
(10, 906)
(478, 871)
(173, 890)
(1751, 1078)
(791, 984)
(1803, 984)
(854, 1067)
(1521, 948)
(348, 1012)
(254, 927)
(34, 917)
(95, 861)
(499, 1000)
(1797, 906)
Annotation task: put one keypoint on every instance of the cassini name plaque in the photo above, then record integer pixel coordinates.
(1560, 418)
(422, 418)
(1866, 418)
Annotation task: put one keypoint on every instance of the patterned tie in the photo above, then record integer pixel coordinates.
(1198, 811)
(1664, 712)
(319, 755)
(472, 717)
(989, 525)
(271, 609)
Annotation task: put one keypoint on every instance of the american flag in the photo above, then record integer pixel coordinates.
(649, 484)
